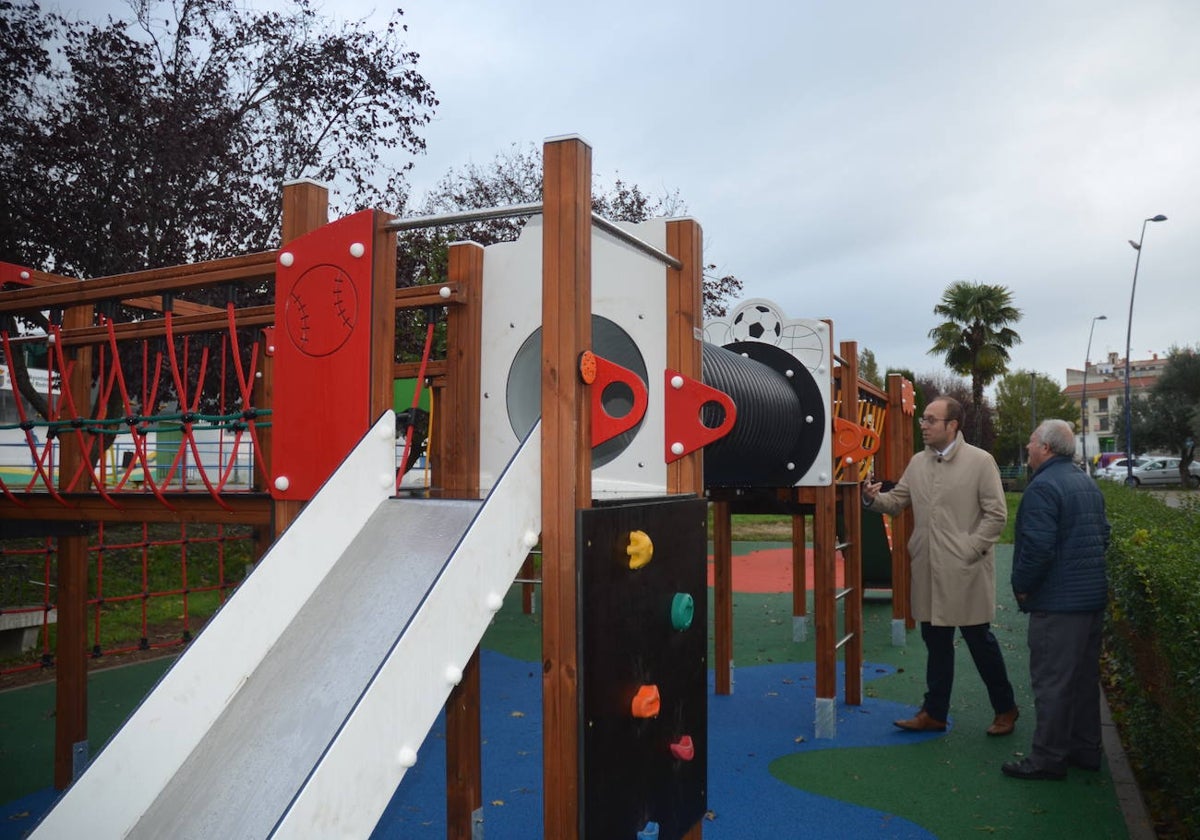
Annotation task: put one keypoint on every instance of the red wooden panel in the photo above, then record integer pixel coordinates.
(322, 353)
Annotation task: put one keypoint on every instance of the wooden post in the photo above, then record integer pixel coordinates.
(458, 469)
(850, 495)
(71, 697)
(305, 208)
(898, 440)
(799, 576)
(824, 500)
(723, 596)
(566, 465)
(685, 319)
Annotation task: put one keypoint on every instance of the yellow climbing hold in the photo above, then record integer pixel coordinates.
(640, 549)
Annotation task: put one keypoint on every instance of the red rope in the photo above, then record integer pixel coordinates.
(245, 378)
(189, 437)
(38, 461)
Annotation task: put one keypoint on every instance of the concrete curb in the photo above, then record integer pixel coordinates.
(1129, 795)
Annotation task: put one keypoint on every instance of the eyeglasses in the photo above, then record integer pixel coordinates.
(925, 420)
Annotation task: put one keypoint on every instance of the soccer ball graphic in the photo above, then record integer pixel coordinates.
(757, 322)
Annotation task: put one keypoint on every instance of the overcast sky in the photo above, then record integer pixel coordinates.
(851, 160)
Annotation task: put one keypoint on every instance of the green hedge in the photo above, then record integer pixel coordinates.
(1152, 640)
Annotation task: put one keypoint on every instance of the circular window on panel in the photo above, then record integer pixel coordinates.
(524, 390)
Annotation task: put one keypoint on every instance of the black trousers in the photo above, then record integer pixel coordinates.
(1064, 670)
(939, 667)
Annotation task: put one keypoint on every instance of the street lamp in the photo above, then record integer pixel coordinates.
(1137, 246)
(1087, 362)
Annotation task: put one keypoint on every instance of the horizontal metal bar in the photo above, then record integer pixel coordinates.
(612, 229)
(512, 211)
(842, 593)
(517, 210)
(527, 580)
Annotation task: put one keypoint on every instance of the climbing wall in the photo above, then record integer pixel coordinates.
(644, 693)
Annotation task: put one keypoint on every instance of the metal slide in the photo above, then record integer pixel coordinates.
(300, 707)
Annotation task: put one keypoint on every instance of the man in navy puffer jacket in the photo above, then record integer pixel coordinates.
(1059, 578)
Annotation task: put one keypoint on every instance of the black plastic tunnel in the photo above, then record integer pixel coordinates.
(780, 422)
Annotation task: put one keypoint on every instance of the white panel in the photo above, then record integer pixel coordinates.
(629, 289)
(807, 340)
(149, 749)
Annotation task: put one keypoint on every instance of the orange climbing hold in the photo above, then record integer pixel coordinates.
(646, 702)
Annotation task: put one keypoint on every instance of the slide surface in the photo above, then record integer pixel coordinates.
(298, 709)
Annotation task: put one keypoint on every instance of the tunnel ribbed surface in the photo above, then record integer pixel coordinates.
(769, 428)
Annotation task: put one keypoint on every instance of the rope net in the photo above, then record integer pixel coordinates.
(137, 436)
(149, 586)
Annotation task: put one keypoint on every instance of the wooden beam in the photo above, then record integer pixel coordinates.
(258, 267)
(414, 297)
(217, 321)
(566, 466)
(70, 697)
(196, 507)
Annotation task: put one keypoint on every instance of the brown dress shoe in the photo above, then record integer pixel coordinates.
(1005, 722)
(922, 723)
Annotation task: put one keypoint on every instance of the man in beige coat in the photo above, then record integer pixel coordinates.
(959, 511)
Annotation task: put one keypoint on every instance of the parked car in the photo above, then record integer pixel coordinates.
(1115, 470)
(1158, 471)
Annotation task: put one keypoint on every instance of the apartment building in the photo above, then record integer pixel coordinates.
(1106, 397)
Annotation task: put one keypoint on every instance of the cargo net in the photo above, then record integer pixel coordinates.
(159, 440)
(149, 587)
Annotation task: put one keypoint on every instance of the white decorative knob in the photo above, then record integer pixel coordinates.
(407, 757)
(282, 483)
(676, 448)
(494, 601)
(453, 674)
(444, 291)
(286, 259)
(357, 250)
(676, 382)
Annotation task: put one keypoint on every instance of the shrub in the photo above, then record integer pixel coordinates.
(1152, 640)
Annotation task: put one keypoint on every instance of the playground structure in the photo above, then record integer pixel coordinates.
(619, 455)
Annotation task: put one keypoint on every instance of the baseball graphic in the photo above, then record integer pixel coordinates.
(321, 310)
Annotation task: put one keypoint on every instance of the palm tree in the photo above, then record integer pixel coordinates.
(976, 338)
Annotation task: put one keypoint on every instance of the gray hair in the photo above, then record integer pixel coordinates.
(1058, 436)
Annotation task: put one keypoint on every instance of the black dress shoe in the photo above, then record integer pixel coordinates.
(1025, 769)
